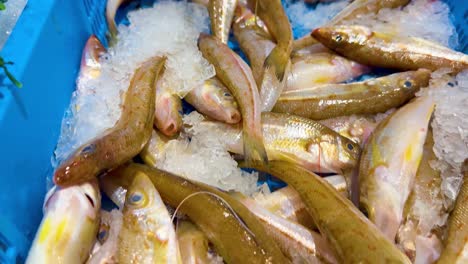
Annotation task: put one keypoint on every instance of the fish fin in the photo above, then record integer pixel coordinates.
(254, 150)
(278, 60)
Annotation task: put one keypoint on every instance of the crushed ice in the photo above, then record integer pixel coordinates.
(167, 28)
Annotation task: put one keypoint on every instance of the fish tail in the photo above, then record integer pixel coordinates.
(254, 150)
(278, 60)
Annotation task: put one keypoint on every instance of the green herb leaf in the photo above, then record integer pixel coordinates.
(10, 76)
(2, 6)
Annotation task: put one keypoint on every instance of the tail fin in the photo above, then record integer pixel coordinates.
(254, 150)
(277, 60)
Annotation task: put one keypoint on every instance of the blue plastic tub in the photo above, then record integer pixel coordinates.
(46, 47)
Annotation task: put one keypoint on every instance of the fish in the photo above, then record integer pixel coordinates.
(298, 243)
(90, 59)
(254, 39)
(368, 97)
(108, 238)
(358, 128)
(274, 16)
(389, 163)
(355, 9)
(193, 243)
(350, 234)
(298, 140)
(287, 203)
(256, 42)
(121, 142)
(168, 111)
(216, 213)
(233, 72)
(154, 150)
(69, 226)
(147, 234)
(214, 100)
(111, 9)
(221, 14)
(456, 243)
(321, 68)
(385, 50)
(417, 234)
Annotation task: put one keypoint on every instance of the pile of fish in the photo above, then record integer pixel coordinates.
(356, 156)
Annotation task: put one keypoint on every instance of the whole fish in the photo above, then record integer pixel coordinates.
(193, 243)
(111, 10)
(233, 72)
(254, 39)
(352, 236)
(256, 42)
(298, 140)
(287, 203)
(379, 49)
(389, 163)
(168, 111)
(367, 97)
(217, 214)
(424, 205)
(298, 243)
(90, 65)
(108, 237)
(213, 99)
(69, 226)
(322, 68)
(147, 234)
(123, 141)
(456, 244)
(355, 9)
(221, 14)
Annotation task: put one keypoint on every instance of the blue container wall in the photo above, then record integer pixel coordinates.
(46, 47)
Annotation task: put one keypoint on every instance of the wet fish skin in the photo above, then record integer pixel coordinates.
(367, 97)
(321, 68)
(298, 243)
(154, 149)
(192, 242)
(287, 203)
(256, 42)
(352, 236)
(230, 237)
(253, 38)
(121, 142)
(415, 228)
(111, 224)
(147, 234)
(69, 226)
(456, 244)
(168, 111)
(298, 140)
(233, 72)
(221, 14)
(90, 65)
(351, 11)
(379, 49)
(389, 163)
(111, 10)
(213, 99)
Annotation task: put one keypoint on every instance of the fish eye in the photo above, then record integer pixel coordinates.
(136, 198)
(408, 84)
(227, 94)
(88, 149)
(350, 146)
(338, 38)
(103, 233)
(90, 200)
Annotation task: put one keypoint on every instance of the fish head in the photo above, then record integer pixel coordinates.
(140, 195)
(413, 80)
(90, 64)
(342, 38)
(79, 167)
(244, 18)
(220, 103)
(168, 117)
(335, 152)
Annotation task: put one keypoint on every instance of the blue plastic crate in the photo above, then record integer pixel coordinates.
(46, 47)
